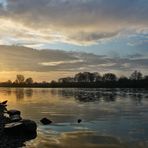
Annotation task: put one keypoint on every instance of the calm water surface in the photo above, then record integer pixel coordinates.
(111, 118)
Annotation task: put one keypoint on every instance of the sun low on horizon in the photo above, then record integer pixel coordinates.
(49, 39)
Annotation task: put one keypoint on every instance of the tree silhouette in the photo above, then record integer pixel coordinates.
(20, 79)
(123, 79)
(136, 75)
(9, 82)
(146, 78)
(109, 77)
(85, 80)
(98, 77)
(87, 77)
(29, 81)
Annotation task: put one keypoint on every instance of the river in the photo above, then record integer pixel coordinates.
(110, 117)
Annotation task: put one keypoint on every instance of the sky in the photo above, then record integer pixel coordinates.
(113, 32)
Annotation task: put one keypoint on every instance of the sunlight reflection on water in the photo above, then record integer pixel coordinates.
(110, 117)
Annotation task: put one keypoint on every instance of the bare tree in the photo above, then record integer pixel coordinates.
(109, 77)
(20, 79)
(136, 75)
(29, 80)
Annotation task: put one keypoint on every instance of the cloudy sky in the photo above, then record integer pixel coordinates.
(101, 35)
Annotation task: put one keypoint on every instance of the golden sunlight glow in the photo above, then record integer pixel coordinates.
(37, 76)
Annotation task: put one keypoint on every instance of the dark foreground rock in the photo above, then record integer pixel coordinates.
(23, 127)
(45, 121)
(15, 141)
(14, 134)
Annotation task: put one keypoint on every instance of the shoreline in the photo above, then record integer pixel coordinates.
(62, 87)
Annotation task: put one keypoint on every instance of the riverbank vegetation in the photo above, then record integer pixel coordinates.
(85, 80)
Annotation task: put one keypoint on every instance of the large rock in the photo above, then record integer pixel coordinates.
(23, 127)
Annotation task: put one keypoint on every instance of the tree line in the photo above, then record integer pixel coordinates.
(107, 77)
(85, 79)
(88, 79)
(21, 81)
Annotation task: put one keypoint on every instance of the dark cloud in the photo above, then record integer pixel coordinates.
(91, 37)
(13, 58)
(135, 56)
(78, 12)
(75, 21)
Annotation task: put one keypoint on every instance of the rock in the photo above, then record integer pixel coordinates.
(23, 127)
(4, 102)
(79, 120)
(29, 125)
(14, 115)
(14, 112)
(45, 121)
